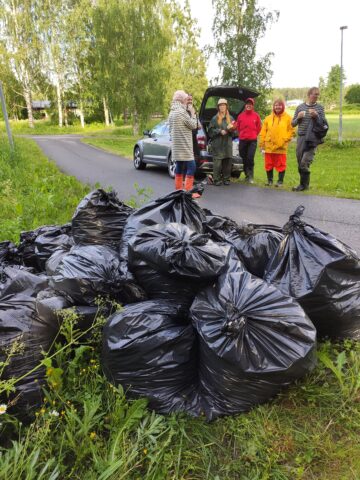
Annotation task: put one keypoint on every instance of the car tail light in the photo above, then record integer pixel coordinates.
(201, 141)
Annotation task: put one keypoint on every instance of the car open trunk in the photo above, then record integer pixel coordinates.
(235, 95)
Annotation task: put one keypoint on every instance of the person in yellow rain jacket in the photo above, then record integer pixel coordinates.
(275, 135)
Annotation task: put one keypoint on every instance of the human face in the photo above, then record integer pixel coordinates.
(222, 108)
(314, 96)
(278, 108)
(189, 100)
(248, 106)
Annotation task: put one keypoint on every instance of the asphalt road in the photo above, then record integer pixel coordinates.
(340, 217)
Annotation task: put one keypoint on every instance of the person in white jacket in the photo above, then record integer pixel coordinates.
(181, 126)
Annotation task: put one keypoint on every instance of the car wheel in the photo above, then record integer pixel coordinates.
(171, 166)
(138, 161)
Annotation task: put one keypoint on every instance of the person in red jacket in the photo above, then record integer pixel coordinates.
(248, 125)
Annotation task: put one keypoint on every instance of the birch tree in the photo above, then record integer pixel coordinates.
(237, 27)
(18, 33)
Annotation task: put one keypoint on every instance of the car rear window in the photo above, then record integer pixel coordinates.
(235, 104)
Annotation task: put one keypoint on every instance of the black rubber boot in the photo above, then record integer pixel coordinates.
(251, 175)
(304, 182)
(270, 177)
(280, 181)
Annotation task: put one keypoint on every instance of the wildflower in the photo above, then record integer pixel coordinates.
(145, 451)
(3, 408)
(92, 435)
(54, 413)
(42, 410)
(62, 412)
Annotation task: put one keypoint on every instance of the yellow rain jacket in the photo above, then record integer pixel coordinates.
(276, 133)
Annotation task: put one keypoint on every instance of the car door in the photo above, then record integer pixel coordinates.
(156, 147)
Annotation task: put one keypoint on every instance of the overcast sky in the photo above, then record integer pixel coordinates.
(305, 41)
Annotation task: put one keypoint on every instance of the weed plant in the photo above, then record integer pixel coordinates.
(88, 429)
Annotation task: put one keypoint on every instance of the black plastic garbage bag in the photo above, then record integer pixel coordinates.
(53, 261)
(172, 261)
(51, 241)
(176, 207)
(27, 249)
(177, 250)
(150, 349)
(254, 244)
(8, 253)
(323, 274)
(52, 307)
(19, 322)
(99, 219)
(18, 279)
(89, 271)
(162, 286)
(254, 340)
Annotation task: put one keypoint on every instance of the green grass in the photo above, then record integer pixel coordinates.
(351, 126)
(334, 172)
(310, 432)
(121, 145)
(33, 192)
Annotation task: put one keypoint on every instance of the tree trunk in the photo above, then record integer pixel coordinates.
(66, 123)
(136, 123)
(125, 116)
(59, 103)
(106, 112)
(81, 113)
(28, 101)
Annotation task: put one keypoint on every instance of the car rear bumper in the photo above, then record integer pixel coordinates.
(204, 163)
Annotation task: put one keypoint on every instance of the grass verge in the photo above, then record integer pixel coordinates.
(88, 429)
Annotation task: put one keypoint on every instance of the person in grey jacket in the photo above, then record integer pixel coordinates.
(182, 121)
(306, 114)
(220, 131)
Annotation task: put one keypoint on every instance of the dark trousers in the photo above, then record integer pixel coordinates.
(304, 158)
(221, 166)
(247, 149)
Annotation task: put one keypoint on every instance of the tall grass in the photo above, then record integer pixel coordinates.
(87, 429)
(32, 190)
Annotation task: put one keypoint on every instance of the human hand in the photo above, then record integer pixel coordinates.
(313, 113)
(191, 109)
(223, 132)
(301, 114)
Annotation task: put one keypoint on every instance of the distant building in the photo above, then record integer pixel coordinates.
(40, 104)
(293, 103)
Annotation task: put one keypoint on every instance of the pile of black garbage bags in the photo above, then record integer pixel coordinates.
(217, 316)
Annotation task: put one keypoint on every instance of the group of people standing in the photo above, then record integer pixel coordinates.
(275, 134)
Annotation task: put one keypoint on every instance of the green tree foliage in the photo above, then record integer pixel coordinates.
(12, 88)
(237, 27)
(131, 41)
(353, 93)
(330, 89)
(126, 56)
(185, 61)
(286, 93)
(19, 35)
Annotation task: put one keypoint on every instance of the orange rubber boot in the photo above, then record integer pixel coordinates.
(178, 181)
(189, 182)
